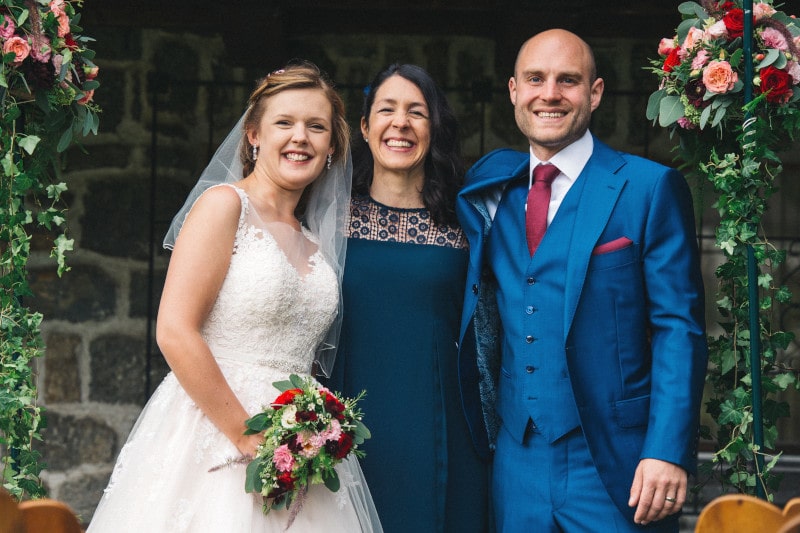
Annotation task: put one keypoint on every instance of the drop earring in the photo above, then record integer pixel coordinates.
(255, 153)
(330, 159)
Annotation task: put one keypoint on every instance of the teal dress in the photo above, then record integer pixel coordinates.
(403, 290)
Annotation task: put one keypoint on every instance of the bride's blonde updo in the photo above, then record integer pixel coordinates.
(302, 75)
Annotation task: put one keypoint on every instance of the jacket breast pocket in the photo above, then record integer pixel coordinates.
(617, 258)
(632, 413)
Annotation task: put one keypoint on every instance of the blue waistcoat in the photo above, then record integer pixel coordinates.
(534, 379)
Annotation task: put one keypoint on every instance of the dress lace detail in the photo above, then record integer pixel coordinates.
(371, 220)
(272, 311)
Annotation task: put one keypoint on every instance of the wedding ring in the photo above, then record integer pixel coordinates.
(670, 500)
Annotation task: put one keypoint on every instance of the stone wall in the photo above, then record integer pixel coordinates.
(167, 99)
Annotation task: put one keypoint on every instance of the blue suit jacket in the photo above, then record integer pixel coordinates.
(634, 328)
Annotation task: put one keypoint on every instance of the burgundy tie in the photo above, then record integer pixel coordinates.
(538, 203)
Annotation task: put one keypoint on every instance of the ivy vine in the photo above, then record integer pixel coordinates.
(47, 83)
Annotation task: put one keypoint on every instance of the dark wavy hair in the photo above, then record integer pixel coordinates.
(444, 167)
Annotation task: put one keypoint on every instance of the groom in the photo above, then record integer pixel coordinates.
(598, 359)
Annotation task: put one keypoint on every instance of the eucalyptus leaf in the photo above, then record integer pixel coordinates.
(718, 116)
(769, 58)
(283, 386)
(64, 141)
(670, 110)
(653, 104)
(704, 116)
(252, 481)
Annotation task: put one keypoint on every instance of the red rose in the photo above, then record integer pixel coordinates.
(725, 6)
(333, 405)
(734, 23)
(70, 42)
(285, 398)
(285, 484)
(340, 448)
(777, 84)
(305, 416)
(672, 60)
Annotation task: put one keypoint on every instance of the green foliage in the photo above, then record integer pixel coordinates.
(45, 102)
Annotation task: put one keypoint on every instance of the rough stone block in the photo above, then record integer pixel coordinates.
(118, 369)
(84, 293)
(62, 381)
(71, 440)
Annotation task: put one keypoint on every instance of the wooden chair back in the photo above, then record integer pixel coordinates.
(741, 513)
(36, 516)
(10, 517)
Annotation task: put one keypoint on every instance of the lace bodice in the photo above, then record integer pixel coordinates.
(268, 310)
(371, 220)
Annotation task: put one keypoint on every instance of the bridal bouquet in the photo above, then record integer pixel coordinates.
(307, 431)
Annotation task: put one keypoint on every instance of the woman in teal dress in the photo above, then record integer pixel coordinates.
(403, 289)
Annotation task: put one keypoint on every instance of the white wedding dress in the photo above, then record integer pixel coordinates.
(272, 311)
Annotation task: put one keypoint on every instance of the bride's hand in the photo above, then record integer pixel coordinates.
(248, 444)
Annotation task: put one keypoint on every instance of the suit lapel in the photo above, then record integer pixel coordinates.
(601, 191)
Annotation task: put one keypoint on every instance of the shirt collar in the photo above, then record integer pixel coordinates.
(571, 159)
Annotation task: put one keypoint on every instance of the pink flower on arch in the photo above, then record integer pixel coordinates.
(665, 46)
(716, 31)
(762, 10)
(63, 24)
(7, 27)
(793, 68)
(700, 59)
(18, 46)
(57, 7)
(42, 50)
(719, 77)
(774, 39)
(693, 38)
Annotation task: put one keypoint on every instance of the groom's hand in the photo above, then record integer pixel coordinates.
(658, 490)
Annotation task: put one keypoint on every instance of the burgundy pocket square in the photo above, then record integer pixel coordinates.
(612, 246)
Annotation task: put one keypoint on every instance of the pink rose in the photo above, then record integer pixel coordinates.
(700, 59)
(87, 97)
(774, 39)
(793, 68)
(57, 7)
(719, 77)
(686, 124)
(63, 24)
(665, 46)
(7, 27)
(762, 10)
(283, 458)
(694, 37)
(19, 46)
(718, 30)
(41, 51)
(90, 72)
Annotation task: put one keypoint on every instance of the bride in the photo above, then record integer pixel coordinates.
(251, 296)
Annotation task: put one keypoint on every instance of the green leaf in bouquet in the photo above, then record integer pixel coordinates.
(361, 431)
(252, 480)
(258, 423)
(331, 480)
(298, 382)
(283, 386)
